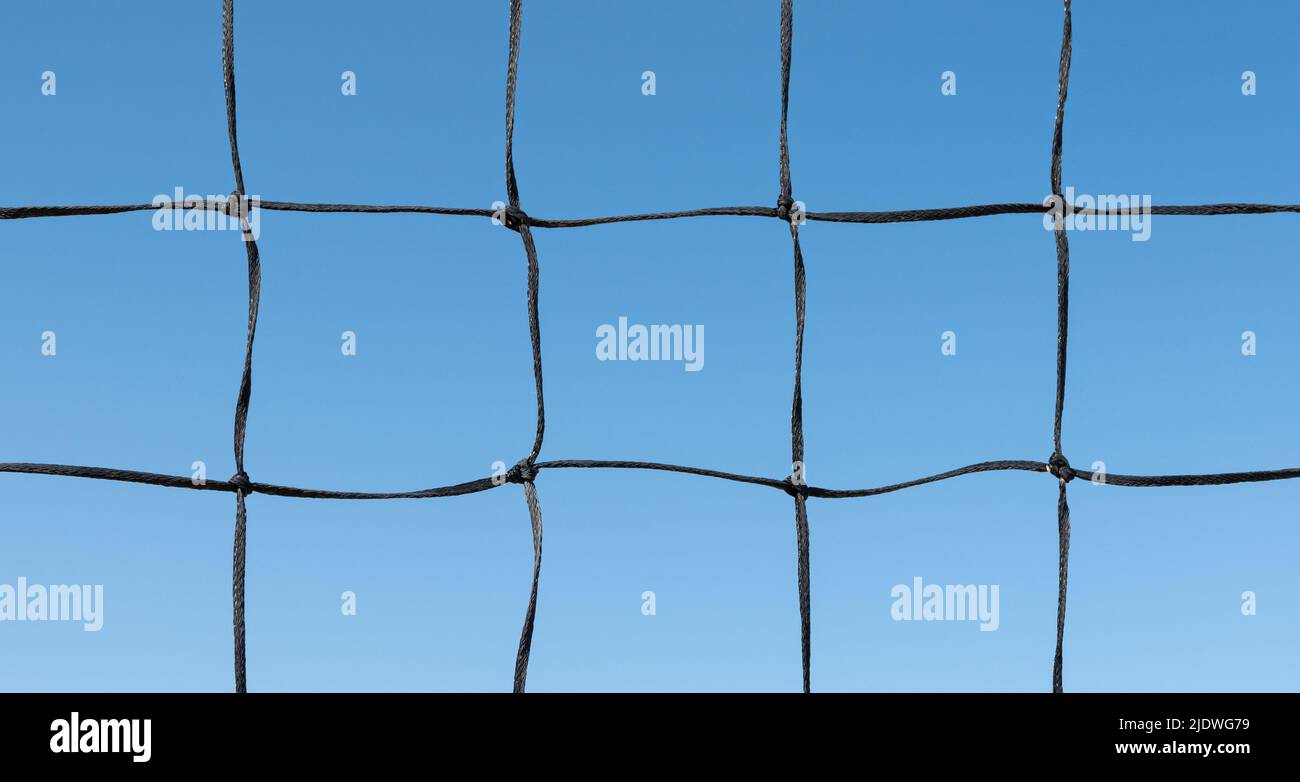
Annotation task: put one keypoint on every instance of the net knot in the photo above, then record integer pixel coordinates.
(235, 205)
(1059, 466)
(515, 217)
(524, 471)
(241, 483)
(783, 206)
(794, 489)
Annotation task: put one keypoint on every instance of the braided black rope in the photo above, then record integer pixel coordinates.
(1057, 460)
(484, 484)
(240, 481)
(904, 216)
(525, 472)
(526, 635)
(784, 203)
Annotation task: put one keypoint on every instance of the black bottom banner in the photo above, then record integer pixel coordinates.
(331, 731)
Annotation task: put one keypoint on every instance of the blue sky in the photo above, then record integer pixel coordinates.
(150, 328)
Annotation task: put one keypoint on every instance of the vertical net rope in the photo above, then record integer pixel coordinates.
(784, 204)
(1057, 463)
(240, 479)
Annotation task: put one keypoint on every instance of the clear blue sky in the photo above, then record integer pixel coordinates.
(150, 332)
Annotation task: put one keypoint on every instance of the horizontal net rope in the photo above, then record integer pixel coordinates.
(903, 216)
(525, 472)
(484, 484)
